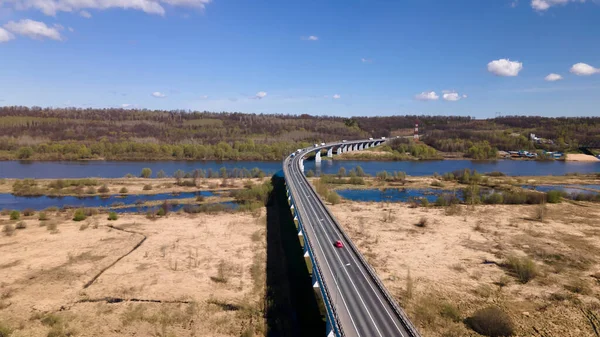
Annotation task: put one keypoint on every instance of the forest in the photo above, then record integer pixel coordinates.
(127, 134)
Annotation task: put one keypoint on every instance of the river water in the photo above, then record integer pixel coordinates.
(118, 169)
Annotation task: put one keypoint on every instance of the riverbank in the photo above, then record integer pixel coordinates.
(444, 264)
(127, 186)
(179, 275)
(581, 157)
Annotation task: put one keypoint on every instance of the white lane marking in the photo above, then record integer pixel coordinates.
(336, 284)
(352, 282)
(369, 283)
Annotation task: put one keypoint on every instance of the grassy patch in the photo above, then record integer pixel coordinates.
(523, 268)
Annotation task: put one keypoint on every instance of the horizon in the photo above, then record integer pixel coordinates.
(376, 58)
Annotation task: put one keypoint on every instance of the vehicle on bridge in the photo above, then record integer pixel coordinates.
(339, 244)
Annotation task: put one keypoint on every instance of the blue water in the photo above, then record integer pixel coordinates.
(117, 169)
(570, 189)
(9, 201)
(393, 194)
(426, 168)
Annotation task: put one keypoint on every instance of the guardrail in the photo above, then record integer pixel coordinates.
(399, 312)
(332, 313)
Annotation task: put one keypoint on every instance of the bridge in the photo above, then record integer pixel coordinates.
(356, 302)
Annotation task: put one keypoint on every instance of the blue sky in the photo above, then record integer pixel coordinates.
(350, 57)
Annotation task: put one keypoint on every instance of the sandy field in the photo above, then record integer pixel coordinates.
(180, 275)
(580, 157)
(443, 264)
(162, 185)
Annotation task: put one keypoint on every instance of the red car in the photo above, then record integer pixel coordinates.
(339, 244)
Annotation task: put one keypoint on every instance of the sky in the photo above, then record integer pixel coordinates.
(475, 58)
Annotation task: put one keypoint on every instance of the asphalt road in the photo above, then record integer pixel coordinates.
(362, 308)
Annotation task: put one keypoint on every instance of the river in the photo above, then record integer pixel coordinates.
(118, 169)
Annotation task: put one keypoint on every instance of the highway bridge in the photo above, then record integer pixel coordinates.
(357, 303)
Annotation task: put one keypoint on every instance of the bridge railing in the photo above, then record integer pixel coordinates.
(399, 312)
(331, 311)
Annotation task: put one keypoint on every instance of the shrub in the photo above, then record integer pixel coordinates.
(310, 173)
(28, 212)
(494, 199)
(42, 216)
(5, 212)
(52, 226)
(129, 175)
(147, 187)
(422, 222)
(8, 229)
(90, 190)
(491, 321)
(161, 174)
(146, 172)
(450, 311)
(199, 198)
(554, 196)
(123, 190)
(523, 268)
(437, 183)
(112, 216)
(79, 215)
(161, 212)
(21, 225)
(103, 189)
(5, 331)
(15, 215)
(334, 198)
(495, 174)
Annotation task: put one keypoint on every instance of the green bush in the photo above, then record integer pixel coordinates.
(146, 172)
(554, 196)
(310, 173)
(494, 199)
(42, 216)
(492, 322)
(334, 198)
(451, 312)
(15, 215)
(123, 190)
(112, 216)
(523, 268)
(79, 215)
(147, 187)
(103, 189)
(21, 225)
(199, 198)
(161, 174)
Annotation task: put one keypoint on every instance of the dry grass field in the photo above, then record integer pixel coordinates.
(443, 264)
(180, 275)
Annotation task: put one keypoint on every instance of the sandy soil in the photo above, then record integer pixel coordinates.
(181, 275)
(580, 157)
(163, 185)
(457, 260)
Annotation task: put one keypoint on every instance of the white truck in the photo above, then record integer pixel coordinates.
(322, 144)
(382, 137)
(371, 138)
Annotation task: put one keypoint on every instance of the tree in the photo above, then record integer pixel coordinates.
(341, 172)
(25, 152)
(179, 174)
(161, 174)
(359, 171)
(146, 172)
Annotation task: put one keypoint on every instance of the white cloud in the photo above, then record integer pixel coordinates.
(451, 96)
(126, 105)
(427, 96)
(51, 7)
(553, 77)
(336, 96)
(310, 38)
(505, 67)
(260, 95)
(5, 35)
(71, 29)
(543, 5)
(34, 29)
(158, 94)
(204, 97)
(584, 69)
(364, 60)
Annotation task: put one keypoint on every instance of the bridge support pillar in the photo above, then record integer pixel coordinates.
(361, 146)
(367, 145)
(318, 157)
(330, 152)
(301, 237)
(339, 150)
(355, 147)
(302, 165)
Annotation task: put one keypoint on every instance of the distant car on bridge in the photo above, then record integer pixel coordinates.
(339, 244)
